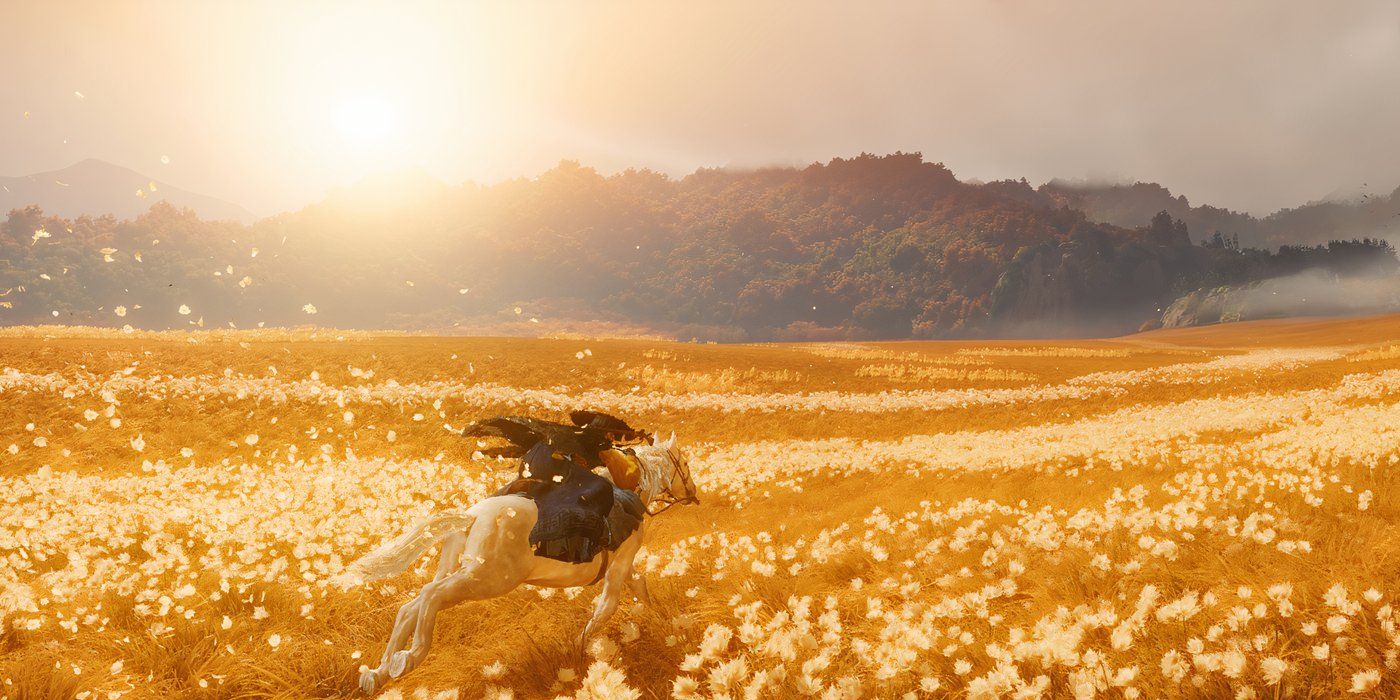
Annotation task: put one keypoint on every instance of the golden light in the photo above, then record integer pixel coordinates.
(367, 120)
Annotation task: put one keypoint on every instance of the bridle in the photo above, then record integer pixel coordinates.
(669, 498)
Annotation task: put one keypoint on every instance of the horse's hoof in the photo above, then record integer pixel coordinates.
(369, 682)
(398, 663)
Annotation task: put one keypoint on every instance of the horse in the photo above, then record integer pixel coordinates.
(486, 554)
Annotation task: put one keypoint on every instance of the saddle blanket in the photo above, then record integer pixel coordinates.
(577, 535)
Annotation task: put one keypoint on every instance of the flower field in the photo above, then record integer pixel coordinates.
(1209, 512)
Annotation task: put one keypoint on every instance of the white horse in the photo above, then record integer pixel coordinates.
(486, 553)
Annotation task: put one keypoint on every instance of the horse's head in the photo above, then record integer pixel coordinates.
(679, 486)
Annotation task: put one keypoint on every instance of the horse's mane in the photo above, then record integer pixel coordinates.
(654, 460)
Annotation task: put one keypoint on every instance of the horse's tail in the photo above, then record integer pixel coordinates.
(398, 554)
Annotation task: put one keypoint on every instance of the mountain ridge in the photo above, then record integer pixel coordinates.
(94, 187)
(1359, 215)
(872, 246)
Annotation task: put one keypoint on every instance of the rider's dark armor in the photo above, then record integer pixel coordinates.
(580, 513)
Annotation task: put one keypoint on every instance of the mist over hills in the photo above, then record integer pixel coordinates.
(872, 246)
(1364, 214)
(94, 187)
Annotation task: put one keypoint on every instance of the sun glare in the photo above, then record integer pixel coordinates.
(366, 120)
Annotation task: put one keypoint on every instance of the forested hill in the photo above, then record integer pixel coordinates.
(1365, 215)
(873, 246)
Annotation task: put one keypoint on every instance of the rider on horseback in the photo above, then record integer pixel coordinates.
(580, 513)
(506, 541)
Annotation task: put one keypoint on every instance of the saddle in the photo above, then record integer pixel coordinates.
(581, 514)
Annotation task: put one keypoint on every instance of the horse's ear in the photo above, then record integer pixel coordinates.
(672, 441)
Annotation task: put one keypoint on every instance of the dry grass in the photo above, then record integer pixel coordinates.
(667, 380)
(1390, 352)
(921, 373)
(1202, 513)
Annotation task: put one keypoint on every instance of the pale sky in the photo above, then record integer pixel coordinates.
(1252, 105)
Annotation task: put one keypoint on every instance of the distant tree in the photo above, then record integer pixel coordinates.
(871, 246)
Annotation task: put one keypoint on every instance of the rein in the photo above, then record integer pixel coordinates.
(602, 569)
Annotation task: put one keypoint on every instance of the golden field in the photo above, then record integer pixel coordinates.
(1208, 512)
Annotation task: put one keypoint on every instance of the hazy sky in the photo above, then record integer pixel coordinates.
(1251, 105)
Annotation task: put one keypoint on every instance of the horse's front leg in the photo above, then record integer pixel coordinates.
(638, 585)
(606, 603)
(635, 582)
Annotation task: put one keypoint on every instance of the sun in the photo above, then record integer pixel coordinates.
(367, 120)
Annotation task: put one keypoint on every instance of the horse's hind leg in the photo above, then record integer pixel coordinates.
(452, 547)
(407, 617)
(469, 583)
(424, 619)
(494, 558)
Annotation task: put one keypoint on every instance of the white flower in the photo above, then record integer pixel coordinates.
(1174, 667)
(1273, 669)
(603, 649)
(1362, 681)
(1233, 663)
(603, 682)
(685, 688)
